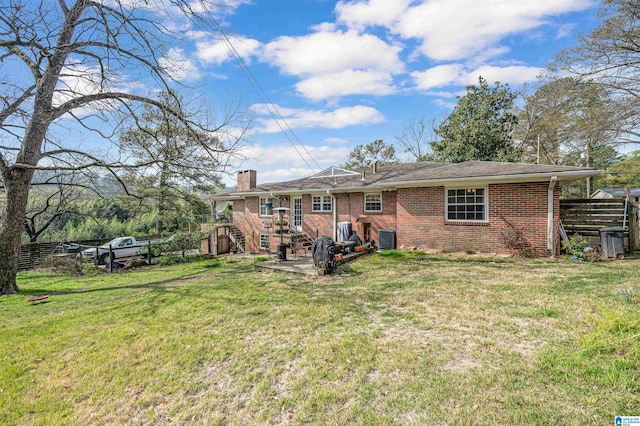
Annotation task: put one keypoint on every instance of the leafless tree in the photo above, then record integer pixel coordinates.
(79, 70)
(56, 196)
(568, 121)
(610, 56)
(417, 137)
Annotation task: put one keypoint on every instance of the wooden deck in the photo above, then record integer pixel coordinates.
(301, 265)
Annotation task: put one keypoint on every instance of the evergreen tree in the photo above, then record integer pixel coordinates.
(479, 128)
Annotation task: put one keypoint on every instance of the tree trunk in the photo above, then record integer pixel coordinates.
(17, 183)
(162, 197)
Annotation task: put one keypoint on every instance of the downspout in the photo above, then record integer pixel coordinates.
(550, 227)
(335, 217)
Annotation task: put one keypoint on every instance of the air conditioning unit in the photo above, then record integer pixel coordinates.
(386, 239)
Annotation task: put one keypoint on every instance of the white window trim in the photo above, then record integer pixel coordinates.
(268, 245)
(260, 206)
(486, 205)
(365, 202)
(322, 197)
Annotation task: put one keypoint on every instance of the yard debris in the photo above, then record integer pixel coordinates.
(35, 300)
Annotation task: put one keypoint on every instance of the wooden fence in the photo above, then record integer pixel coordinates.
(587, 217)
(31, 255)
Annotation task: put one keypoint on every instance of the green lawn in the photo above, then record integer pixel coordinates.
(396, 339)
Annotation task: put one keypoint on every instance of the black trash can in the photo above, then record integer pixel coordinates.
(282, 252)
(612, 242)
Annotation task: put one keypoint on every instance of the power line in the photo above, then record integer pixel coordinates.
(264, 97)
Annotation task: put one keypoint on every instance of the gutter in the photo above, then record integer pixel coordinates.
(538, 177)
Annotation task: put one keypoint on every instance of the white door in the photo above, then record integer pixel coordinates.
(296, 221)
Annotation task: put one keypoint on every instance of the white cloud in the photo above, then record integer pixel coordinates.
(336, 141)
(218, 52)
(370, 12)
(280, 175)
(328, 27)
(300, 118)
(295, 158)
(457, 74)
(325, 52)
(454, 30)
(565, 30)
(336, 63)
(487, 54)
(460, 29)
(217, 7)
(445, 104)
(178, 66)
(77, 80)
(441, 75)
(349, 82)
(197, 34)
(514, 74)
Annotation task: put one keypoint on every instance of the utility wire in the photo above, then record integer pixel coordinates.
(264, 97)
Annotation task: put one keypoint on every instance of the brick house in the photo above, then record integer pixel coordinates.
(477, 206)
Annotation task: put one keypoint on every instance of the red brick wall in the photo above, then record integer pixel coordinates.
(418, 216)
(316, 223)
(350, 208)
(421, 219)
(246, 217)
(246, 180)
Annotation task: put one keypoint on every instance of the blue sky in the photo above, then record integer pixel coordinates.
(344, 73)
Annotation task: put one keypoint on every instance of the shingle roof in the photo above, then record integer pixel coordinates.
(413, 174)
(620, 192)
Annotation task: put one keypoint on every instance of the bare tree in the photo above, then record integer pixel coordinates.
(568, 121)
(57, 195)
(417, 137)
(610, 56)
(69, 68)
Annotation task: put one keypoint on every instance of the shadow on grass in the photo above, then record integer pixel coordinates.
(161, 285)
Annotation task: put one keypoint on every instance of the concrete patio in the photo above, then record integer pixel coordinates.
(301, 265)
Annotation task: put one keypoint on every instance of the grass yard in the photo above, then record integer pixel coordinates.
(396, 339)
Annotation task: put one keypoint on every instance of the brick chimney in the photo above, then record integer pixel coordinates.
(246, 180)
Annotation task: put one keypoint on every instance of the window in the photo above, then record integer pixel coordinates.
(372, 202)
(264, 242)
(467, 204)
(266, 206)
(321, 203)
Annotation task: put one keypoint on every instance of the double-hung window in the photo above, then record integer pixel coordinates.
(264, 241)
(373, 202)
(321, 203)
(266, 206)
(468, 205)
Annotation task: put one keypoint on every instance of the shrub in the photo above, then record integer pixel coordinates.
(514, 239)
(579, 248)
(70, 264)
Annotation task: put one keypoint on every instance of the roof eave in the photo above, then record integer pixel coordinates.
(479, 180)
(518, 178)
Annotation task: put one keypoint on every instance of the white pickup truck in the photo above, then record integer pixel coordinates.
(121, 247)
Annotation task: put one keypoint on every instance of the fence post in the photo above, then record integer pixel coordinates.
(109, 259)
(149, 252)
(634, 224)
(97, 261)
